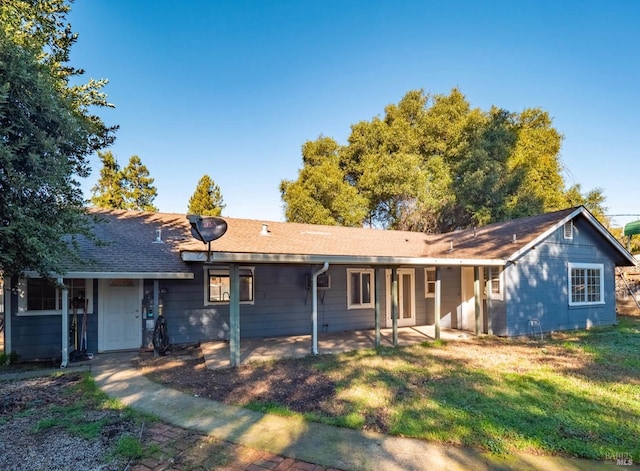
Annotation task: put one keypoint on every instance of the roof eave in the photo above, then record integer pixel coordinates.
(235, 257)
(119, 274)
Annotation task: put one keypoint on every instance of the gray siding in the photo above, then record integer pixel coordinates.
(537, 286)
(282, 306)
(37, 337)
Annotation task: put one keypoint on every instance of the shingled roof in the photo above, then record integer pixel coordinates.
(134, 245)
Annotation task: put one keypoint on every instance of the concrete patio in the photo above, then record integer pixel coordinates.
(217, 354)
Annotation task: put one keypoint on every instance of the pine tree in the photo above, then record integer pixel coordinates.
(128, 188)
(108, 192)
(139, 191)
(207, 199)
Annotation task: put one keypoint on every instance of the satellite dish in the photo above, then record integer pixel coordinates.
(207, 229)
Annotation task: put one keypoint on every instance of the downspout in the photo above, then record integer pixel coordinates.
(314, 311)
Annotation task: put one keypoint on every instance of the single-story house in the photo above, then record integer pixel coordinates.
(545, 273)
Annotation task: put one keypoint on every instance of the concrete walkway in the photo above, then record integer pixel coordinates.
(328, 446)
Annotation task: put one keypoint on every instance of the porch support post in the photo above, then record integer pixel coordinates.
(477, 297)
(489, 289)
(378, 292)
(65, 325)
(394, 304)
(437, 301)
(156, 305)
(8, 281)
(234, 315)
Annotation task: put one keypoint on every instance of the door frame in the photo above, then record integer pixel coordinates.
(103, 287)
(402, 322)
(467, 308)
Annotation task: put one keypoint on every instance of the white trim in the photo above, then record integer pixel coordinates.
(23, 296)
(103, 286)
(594, 222)
(427, 294)
(588, 266)
(121, 274)
(567, 230)
(372, 294)
(234, 257)
(499, 296)
(402, 322)
(224, 271)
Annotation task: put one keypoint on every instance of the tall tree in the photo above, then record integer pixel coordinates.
(321, 194)
(139, 191)
(434, 164)
(128, 188)
(206, 199)
(47, 134)
(108, 192)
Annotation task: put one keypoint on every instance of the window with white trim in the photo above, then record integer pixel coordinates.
(39, 296)
(360, 293)
(494, 284)
(586, 284)
(218, 285)
(430, 282)
(568, 230)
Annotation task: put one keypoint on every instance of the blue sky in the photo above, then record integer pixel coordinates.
(233, 89)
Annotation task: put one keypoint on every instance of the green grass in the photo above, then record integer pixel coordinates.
(577, 394)
(79, 419)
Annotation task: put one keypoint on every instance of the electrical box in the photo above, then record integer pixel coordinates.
(324, 281)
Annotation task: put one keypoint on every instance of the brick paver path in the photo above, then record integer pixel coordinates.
(176, 449)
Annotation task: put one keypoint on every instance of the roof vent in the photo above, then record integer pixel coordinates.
(158, 237)
(265, 230)
(515, 239)
(451, 246)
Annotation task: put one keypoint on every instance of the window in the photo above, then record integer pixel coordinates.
(430, 282)
(359, 288)
(38, 296)
(495, 283)
(586, 284)
(218, 285)
(568, 230)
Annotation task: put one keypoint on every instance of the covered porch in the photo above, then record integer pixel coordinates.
(216, 354)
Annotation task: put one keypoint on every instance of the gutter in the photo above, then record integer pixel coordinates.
(314, 309)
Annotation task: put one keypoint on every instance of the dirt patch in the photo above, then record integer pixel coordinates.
(25, 404)
(291, 383)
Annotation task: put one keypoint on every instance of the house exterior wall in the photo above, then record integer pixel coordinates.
(537, 287)
(282, 306)
(39, 337)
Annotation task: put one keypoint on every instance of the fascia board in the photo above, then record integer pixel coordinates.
(519, 253)
(230, 257)
(128, 275)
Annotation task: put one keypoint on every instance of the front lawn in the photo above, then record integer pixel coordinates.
(577, 394)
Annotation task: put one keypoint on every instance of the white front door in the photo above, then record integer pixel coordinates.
(120, 323)
(406, 297)
(467, 308)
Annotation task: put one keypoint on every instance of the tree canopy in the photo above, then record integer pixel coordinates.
(127, 188)
(47, 133)
(434, 164)
(206, 199)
